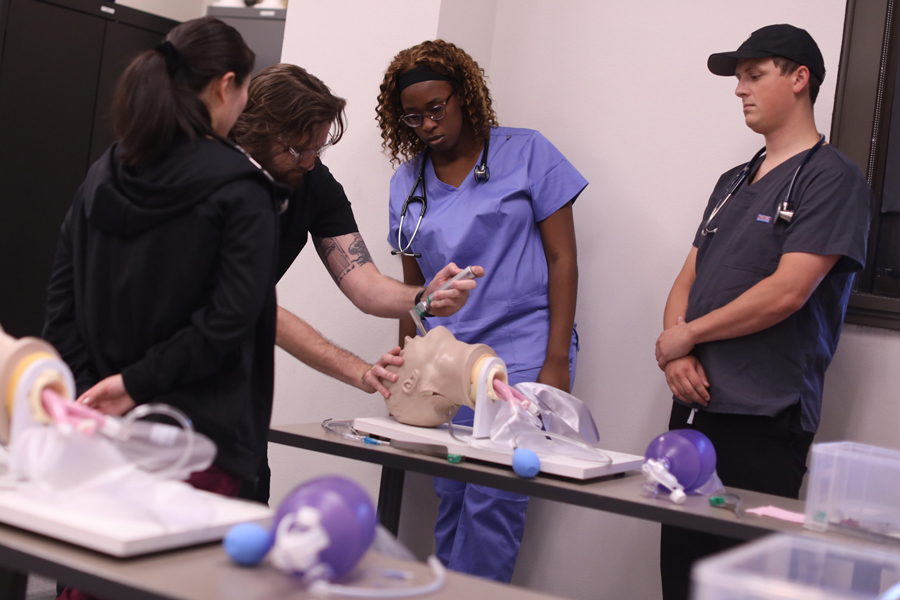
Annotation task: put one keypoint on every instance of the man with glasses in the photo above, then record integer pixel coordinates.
(290, 120)
(753, 319)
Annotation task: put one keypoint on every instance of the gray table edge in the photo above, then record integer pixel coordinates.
(310, 436)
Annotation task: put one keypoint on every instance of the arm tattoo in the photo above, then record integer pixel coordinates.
(342, 254)
(358, 249)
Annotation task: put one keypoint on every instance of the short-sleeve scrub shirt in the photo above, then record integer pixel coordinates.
(771, 370)
(493, 224)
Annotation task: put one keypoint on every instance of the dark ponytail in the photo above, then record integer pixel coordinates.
(157, 99)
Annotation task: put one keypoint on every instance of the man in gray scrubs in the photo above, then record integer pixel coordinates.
(754, 316)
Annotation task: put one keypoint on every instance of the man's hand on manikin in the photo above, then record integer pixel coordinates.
(371, 379)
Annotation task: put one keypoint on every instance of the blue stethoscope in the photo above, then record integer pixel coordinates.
(783, 210)
(482, 175)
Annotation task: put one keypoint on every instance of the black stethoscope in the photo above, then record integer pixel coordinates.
(482, 175)
(783, 210)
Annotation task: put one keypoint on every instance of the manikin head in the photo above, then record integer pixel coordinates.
(27, 366)
(435, 378)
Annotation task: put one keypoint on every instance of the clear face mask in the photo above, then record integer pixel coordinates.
(68, 453)
(543, 419)
(129, 467)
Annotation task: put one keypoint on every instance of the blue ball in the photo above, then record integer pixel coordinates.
(526, 463)
(248, 543)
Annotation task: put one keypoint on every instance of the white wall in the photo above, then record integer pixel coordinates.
(861, 389)
(348, 44)
(622, 89)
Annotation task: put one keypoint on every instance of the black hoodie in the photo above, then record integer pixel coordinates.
(166, 273)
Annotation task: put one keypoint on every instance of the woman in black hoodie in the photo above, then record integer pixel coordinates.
(163, 286)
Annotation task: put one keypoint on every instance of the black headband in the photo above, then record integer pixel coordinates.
(420, 74)
(172, 56)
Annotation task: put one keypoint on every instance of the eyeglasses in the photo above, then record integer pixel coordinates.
(301, 156)
(435, 113)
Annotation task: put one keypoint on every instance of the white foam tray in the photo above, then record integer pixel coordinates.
(118, 536)
(564, 466)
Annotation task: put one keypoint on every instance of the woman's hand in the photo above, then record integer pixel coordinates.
(555, 373)
(109, 397)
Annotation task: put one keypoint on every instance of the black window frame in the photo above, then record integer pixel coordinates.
(860, 125)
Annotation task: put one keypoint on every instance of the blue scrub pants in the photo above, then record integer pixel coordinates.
(479, 529)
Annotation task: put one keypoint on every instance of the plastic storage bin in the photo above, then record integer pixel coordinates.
(854, 488)
(781, 567)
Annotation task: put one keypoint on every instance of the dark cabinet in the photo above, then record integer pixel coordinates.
(59, 62)
(262, 29)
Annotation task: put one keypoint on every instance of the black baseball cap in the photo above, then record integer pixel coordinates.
(786, 41)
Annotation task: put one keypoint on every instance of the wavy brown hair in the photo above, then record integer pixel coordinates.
(284, 104)
(401, 142)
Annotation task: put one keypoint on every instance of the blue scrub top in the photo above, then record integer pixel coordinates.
(493, 224)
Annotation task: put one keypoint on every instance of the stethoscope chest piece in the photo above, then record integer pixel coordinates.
(784, 213)
(783, 210)
(482, 173)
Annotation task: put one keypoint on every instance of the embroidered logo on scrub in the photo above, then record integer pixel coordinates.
(763, 218)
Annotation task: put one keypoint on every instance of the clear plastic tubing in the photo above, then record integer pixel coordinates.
(67, 413)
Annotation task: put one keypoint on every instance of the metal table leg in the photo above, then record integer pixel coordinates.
(389, 497)
(12, 585)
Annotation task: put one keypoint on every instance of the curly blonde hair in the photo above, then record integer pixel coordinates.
(401, 142)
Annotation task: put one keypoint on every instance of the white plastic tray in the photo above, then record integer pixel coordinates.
(118, 536)
(564, 466)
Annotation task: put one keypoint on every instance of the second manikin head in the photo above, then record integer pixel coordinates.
(435, 378)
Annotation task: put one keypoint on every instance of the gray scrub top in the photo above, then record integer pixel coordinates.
(771, 370)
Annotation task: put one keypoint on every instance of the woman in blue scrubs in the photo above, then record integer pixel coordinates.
(500, 197)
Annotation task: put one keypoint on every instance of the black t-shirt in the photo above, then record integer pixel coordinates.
(770, 370)
(318, 207)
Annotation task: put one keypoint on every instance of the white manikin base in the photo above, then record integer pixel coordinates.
(485, 450)
(117, 536)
